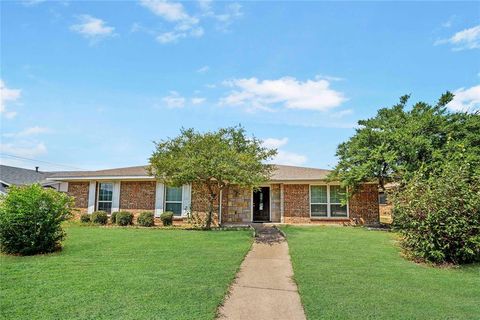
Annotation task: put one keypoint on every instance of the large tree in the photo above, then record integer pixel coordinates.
(397, 143)
(214, 160)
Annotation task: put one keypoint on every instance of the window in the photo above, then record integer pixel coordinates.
(382, 197)
(326, 201)
(105, 197)
(319, 203)
(173, 200)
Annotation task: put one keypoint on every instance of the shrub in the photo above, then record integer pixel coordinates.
(99, 217)
(167, 218)
(85, 218)
(439, 218)
(30, 219)
(124, 218)
(113, 217)
(146, 219)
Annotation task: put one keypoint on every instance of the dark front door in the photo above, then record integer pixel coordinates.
(261, 204)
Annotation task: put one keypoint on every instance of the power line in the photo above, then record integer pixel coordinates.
(36, 160)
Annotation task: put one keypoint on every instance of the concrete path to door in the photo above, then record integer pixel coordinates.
(263, 288)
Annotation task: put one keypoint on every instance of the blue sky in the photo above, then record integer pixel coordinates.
(90, 84)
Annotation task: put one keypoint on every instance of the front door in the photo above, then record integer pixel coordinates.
(261, 204)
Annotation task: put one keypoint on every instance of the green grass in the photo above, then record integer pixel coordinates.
(124, 273)
(352, 273)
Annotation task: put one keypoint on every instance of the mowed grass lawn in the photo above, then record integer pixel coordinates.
(353, 273)
(124, 273)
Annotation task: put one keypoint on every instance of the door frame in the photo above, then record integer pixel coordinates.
(269, 205)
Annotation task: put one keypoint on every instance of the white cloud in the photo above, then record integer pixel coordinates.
(92, 28)
(273, 143)
(198, 100)
(28, 132)
(23, 149)
(466, 100)
(168, 37)
(342, 113)
(284, 157)
(7, 95)
(174, 100)
(31, 3)
(462, 40)
(287, 91)
(170, 11)
(203, 69)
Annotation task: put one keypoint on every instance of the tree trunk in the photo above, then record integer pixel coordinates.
(210, 211)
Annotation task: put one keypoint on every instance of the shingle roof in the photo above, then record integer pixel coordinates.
(21, 176)
(281, 173)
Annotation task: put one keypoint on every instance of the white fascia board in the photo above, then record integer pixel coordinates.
(102, 178)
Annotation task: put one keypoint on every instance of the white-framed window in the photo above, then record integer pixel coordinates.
(105, 196)
(173, 200)
(326, 201)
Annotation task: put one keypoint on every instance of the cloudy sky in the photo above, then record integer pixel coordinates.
(90, 84)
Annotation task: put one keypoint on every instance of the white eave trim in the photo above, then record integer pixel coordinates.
(102, 178)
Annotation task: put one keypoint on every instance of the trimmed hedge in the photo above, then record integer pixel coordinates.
(85, 218)
(167, 218)
(124, 218)
(99, 217)
(113, 217)
(146, 219)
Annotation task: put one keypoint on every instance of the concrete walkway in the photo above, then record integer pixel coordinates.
(264, 288)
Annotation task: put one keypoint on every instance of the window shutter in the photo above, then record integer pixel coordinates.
(186, 198)
(116, 197)
(91, 196)
(159, 193)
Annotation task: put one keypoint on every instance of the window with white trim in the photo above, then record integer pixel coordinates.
(326, 201)
(105, 197)
(173, 200)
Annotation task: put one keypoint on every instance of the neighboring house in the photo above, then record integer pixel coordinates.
(14, 176)
(293, 195)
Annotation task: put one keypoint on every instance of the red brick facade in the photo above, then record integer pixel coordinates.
(138, 195)
(296, 203)
(79, 191)
(363, 204)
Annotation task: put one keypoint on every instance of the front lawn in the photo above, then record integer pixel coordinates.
(352, 273)
(124, 273)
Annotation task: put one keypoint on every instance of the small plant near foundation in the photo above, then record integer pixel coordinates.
(146, 219)
(113, 217)
(167, 218)
(99, 217)
(85, 218)
(124, 218)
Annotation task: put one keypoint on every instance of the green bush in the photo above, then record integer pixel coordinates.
(439, 217)
(85, 218)
(113, 217)
(99, 217)
(146, 219)
(124, 218)
(167, 218)
(30, 219)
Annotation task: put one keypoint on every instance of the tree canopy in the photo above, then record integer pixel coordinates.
(214, 159)
(397, 143)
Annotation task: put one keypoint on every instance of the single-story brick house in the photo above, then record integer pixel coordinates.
(293, 195)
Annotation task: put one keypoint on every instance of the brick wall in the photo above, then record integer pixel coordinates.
(238, 205)
(137, 195)
(296, 203)
(201, 202)
(79, 190)
(363, 204)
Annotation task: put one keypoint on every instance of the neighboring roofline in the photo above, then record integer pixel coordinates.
(8, 184)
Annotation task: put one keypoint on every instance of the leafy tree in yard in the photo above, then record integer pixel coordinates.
(30, 219)
(214, 160)
(396, 143)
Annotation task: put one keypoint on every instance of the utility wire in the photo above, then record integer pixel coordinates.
(36, 160)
